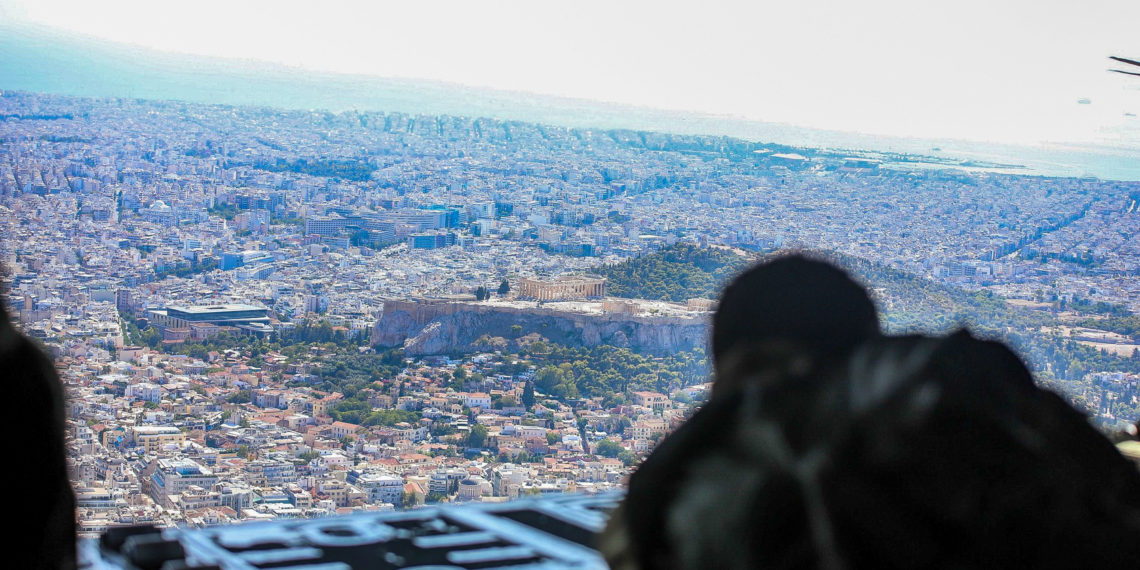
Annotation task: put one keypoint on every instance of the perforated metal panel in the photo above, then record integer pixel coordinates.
(554, 532)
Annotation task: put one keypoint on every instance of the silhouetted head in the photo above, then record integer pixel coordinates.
(809, 303)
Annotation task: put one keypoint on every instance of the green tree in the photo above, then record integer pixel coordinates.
(608, 448)
(528, 395)
(504, 288)
(389, 417)
(477, 438)
(627, 457)
(407, 500)
(198, 351)
(359, 237)
(151, 337)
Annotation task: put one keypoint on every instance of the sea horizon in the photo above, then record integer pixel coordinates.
(50, 62)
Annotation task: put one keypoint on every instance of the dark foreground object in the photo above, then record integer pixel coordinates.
(556, 532)
(43, 508)
(921, 453)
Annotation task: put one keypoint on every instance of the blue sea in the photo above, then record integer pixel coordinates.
(38, 60)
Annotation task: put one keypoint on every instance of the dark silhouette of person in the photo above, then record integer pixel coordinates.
(795, 314)
(43, 535)
(916, 452)
(785, 320)
(826, 445)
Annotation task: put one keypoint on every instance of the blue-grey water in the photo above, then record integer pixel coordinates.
(38, 60)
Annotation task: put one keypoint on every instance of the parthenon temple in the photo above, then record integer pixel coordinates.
(562, 288)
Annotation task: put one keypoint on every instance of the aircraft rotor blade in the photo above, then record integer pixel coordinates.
(1124, 60)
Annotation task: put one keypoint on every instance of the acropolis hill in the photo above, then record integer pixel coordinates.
(437, 326)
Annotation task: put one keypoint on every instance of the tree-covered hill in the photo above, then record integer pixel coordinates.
(907, 303)
(676, 273)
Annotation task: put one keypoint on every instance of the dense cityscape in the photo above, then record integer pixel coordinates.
(263, 314)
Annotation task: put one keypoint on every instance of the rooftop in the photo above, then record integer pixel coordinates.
(207, 309)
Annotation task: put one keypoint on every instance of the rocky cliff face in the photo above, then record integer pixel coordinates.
(436, 327)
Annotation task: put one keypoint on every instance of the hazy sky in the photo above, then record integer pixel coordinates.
(976, 69)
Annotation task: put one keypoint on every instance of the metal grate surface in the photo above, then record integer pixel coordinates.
(554, 532)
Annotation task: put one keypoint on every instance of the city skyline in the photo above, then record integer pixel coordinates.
(265, 314)
(278, 284)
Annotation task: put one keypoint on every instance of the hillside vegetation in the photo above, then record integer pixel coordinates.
(676, 273)
(907, 303)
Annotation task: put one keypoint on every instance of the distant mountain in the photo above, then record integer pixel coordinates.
(48, 61)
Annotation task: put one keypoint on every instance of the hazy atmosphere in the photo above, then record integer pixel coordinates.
(1007, 72)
